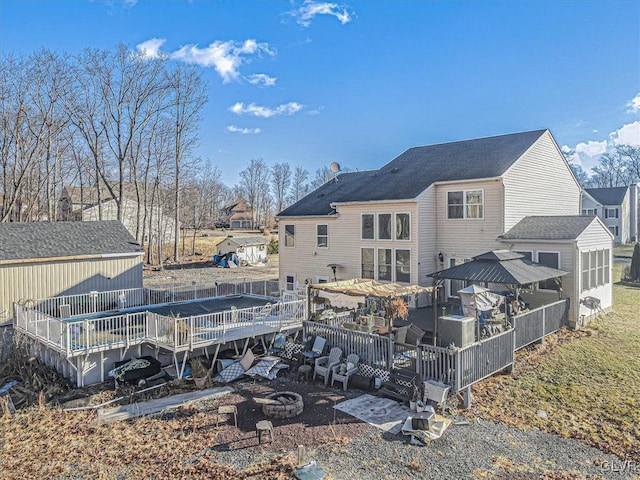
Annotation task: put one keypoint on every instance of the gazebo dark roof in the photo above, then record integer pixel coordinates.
(500, 266)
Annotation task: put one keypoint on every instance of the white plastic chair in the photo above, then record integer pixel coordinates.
(324, 365)
(344, 377)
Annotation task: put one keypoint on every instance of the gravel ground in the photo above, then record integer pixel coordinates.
(478, 450)
(354, 450)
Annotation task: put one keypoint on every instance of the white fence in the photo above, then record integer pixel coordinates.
(66, 306)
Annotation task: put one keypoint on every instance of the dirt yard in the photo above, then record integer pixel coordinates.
(199, 266)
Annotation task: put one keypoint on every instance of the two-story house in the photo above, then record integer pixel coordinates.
(428, 209)
(617, 207)
(239, 215)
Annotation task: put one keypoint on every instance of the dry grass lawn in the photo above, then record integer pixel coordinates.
(587, 382)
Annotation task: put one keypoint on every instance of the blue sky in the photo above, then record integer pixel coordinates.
(310, 83)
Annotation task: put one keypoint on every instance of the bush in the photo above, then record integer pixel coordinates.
(272, 248)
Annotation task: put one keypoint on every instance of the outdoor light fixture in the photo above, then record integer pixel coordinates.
(441, 257)
(333, 267)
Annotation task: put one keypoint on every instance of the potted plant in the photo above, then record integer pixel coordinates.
(199, 372)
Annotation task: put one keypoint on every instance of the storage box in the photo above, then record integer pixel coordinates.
(457, 330)
(422, 421)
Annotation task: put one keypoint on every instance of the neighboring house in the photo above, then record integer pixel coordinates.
(430, 208)
(40, 260)
(617, 207)
(239, 215)
(251, 250)
(82, 204)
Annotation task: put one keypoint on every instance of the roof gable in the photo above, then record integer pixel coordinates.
(608, 196)
(64, 239)
(411, 173)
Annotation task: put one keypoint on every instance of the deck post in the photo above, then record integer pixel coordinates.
(466, 397)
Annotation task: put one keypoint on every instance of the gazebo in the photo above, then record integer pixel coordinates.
(504, 267)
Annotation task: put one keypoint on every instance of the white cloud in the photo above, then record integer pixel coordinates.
(310, 9)
(243, 131)
(224, 57)
(634, 104)
(252, 109)
(592, 148)
(151, 48)
(628, 134)
(261, 79)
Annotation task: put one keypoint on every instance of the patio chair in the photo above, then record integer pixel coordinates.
(352, 359)
(316, 350)
(324, 365)
(277, 346)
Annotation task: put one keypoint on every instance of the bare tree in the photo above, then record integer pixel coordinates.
(299, 185)
(281, 180)
(630, 157)
(188, 96)
(254, 185)
(323, 175)
(610, 172)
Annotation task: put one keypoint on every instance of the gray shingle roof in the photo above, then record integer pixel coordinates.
(608, 196)
(411, 173)
(489, 267)
(64, 239)
(560, 227)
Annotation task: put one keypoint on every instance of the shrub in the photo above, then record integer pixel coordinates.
(272, 248)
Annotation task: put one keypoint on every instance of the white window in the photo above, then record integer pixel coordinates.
(367, 226)
(610, 213)
(322, 235)
(403, 226)
(384, 264)
(323, 279)
(290, 283)
(551, 260)
(465, 204)
(528, 254)
(367, 263)
(289, 235)
(589, 211)
(403, 266)
(613, 230)
(384, 226)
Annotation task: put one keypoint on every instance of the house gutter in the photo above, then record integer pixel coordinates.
(294, 217)
(536, 240)
(375, 202)
(28, 261)
(474, 180)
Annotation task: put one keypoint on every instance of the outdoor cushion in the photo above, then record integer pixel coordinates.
(247, 360)
(229, 374)
(262, 368)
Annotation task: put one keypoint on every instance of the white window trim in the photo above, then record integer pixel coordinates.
(395, 264)
(373, 238)
(322, 279)
(464, 203)
(538, 252)
(317, 235)
(526, 251)
(391, 227)
(377, 264)
(395, 235)
(295, 282)
(285, 235)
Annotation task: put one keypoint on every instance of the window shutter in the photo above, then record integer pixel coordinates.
(616, 213)
(606, 213)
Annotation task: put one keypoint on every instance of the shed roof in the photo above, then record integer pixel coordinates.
(415, 170)
(245, 241)
(20, 241)
(554, 227)
(500, 266)
(608, 196)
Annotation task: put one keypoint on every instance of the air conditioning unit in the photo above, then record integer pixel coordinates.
(457, 330)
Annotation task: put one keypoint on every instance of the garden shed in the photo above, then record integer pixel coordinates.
(251, 250)
(41, 260)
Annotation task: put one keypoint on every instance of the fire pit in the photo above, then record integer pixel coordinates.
(283, 405)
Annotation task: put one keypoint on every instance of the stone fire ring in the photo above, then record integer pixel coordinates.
(293, 406)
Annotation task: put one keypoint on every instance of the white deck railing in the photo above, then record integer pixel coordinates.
(82, 336)
(66, 306)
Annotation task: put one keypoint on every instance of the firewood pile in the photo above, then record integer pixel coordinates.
(31, 381)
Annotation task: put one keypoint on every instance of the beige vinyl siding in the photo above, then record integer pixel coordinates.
(540, 183)
(49, 279)
(595, 237)
(465, 238)
(306, 261)
(427, 239)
